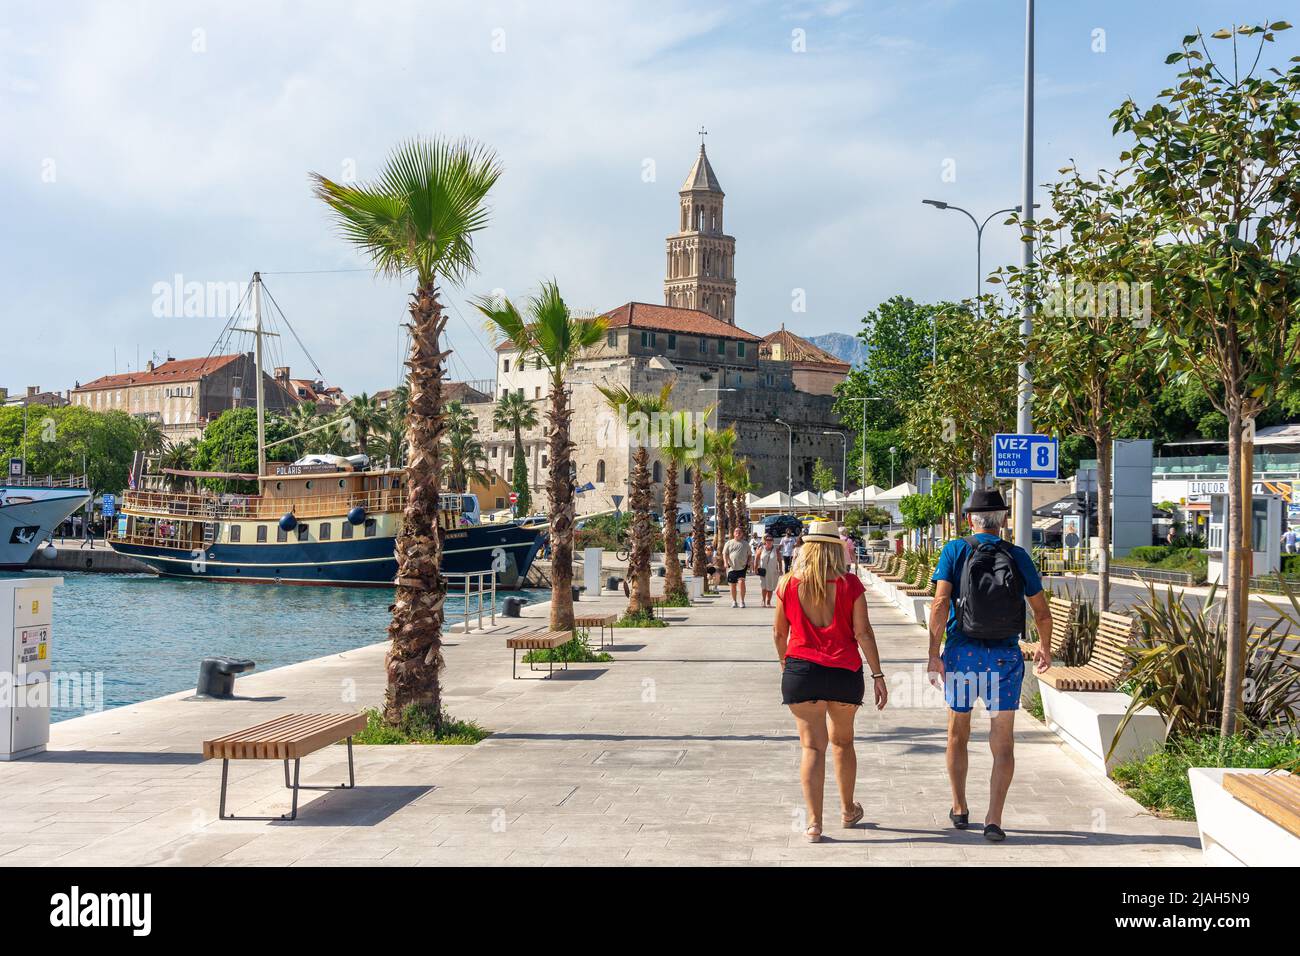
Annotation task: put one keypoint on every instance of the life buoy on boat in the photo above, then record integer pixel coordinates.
(288, 522)
(357, 515)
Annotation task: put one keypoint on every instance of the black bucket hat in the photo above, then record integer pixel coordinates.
(986, 499)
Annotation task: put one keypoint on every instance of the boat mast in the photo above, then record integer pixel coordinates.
(257, 364)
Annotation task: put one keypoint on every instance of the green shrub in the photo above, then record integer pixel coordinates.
(1291, 565)
(643, 618)
(1180, 659)
(1151, 553)
(418, 726)
(1035, 706)
(575, 651)
(1159, 782)
(677, 599)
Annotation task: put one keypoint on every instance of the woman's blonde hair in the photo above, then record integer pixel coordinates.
(817, 565)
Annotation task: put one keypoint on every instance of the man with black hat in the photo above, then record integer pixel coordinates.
(981, 585)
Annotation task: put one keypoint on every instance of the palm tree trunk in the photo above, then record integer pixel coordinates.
(673, 583)
(720, 500)
(414, 656)
(561, 492)
(638, 561)
(699, 529)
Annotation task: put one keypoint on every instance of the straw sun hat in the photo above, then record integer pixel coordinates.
(825, 532)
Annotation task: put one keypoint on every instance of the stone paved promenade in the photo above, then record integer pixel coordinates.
(678, 752)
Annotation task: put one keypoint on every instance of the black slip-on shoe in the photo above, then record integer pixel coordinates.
(960, 820)
(994, 833)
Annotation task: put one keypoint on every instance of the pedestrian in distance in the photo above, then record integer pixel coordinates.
(736, 556)
(767, 565)
(981, 586)
(787, 551)
(822, 633)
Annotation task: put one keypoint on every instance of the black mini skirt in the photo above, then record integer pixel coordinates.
(803, 681)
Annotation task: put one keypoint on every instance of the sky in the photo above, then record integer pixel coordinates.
(147, 145)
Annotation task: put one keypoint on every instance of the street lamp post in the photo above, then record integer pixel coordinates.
(864, 440)
(979, 253)
(789, 459)
(892, 450)
(1024, 515)
(844, 457)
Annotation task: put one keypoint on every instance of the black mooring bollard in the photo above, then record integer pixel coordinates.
(217, 675)
(512, 607)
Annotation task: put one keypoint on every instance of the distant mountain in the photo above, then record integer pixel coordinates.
(847, 348)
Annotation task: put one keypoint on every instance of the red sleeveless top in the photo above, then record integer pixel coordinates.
(832, 645)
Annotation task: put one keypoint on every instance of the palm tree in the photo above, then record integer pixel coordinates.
(178, 456)
(464, 460)
(741, 483)
(699, 527)
(418, 219)
(300, 418)
(678, 449)
(149, 436)
(719, 450)
(514, 413)
(647, 408)
(366, 417)
(389, 442)
(553, 337)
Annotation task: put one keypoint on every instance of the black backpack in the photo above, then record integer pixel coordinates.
(991, 601)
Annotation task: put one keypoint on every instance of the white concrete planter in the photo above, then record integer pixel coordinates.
(1232, 834)
(1087, 722)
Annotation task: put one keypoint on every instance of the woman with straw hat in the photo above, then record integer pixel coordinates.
(822, 633)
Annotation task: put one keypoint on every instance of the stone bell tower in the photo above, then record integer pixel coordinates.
(701, 257)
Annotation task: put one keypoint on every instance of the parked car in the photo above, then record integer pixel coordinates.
(778, 525)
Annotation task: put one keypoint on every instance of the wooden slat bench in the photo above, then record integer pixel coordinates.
(1060, 609)
(536, 641)
(603, 621)
(287, 737)
(1274, 796)
(1108, 663)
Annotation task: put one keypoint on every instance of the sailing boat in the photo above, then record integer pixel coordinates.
(321, 520)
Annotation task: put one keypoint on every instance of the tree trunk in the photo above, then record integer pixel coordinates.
(673, 583)
(414, 656)
(956, 505)
(1238, 569)
(638, 560)
(561, 506)
(1105, 455)
(699, 528)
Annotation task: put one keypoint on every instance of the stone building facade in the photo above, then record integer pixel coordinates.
(183, 395)
(716, 368)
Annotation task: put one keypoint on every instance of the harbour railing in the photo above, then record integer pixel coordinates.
(484, 583)
(255, 507)
(46, 481)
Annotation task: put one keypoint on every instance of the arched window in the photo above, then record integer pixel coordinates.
(600, 470)
(689, 477)
(657, 473)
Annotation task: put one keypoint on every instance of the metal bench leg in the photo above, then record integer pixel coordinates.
(514, 663)
(352, 775)
(286, 772)
(293, 809)
(225, 774)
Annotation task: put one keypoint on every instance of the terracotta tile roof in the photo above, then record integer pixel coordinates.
(177, 370)
(668, 318)
(787, 347)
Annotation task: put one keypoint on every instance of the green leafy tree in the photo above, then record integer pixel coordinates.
(229, 444)
(73, 440)
(823, 477)
(1090, 350)
(417, 220)
(1214, 167)
(366, 416)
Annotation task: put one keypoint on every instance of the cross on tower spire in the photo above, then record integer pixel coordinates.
(703, 133)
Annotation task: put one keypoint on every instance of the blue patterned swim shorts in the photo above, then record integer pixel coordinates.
(975, 671)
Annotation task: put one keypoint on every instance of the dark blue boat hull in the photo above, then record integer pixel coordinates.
(358, 562)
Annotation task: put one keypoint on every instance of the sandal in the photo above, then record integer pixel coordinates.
(813, 834)
(853, 819)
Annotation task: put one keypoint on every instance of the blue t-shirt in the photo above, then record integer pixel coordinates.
(949, 569)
